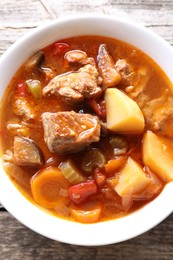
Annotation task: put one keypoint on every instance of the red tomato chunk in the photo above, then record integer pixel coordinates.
(80, 192)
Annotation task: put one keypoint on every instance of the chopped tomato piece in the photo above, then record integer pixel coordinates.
(21, 89)
(102, 105)
(60, 48)
(98, 108)
(80, 192)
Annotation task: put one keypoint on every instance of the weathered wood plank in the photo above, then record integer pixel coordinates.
(9, 35)
(146, 12)
(15, 13)
(22, 13)
(164, 31)
(17, 242)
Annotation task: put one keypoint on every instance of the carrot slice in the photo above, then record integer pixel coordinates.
(114, 164)
(99, 177)
(46, 186)
(89, 216)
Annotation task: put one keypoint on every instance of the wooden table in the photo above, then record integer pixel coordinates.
(16, 18)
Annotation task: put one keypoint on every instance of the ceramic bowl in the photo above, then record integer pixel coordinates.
(33, 217)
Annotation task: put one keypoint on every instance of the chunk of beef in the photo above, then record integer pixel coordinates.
(76, 86)
(129, 76)
(158, 114)
(163, 118)
(111, 77)
(68, 132)
(157, 110)
(123, 67)
(78, 57)
(21, 107)
(26, 152)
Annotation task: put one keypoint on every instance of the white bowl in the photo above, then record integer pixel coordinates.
(33, 217)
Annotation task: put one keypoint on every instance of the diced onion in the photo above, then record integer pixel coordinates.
(17, 173)
(8, 156)
(63, 192)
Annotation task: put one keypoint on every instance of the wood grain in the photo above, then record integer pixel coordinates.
(22, 13)
(147, 12)
(18, 17)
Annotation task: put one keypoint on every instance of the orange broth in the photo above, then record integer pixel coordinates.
(156, 85)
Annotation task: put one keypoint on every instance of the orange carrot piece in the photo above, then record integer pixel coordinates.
(99, 177)
(114, 164)
(89, 216)
(46, 186)
(113, 181)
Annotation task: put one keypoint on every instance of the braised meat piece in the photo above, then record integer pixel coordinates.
(111, 77)
(68, 132)
(76, 86)
(158, 113)
(26, 152)
(128, 75)
(78, 57)
(123, 67)
(21, 107)
(162, 118)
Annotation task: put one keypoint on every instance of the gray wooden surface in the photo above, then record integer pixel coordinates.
(16, 18)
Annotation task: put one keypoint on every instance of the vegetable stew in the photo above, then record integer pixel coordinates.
(87, 129)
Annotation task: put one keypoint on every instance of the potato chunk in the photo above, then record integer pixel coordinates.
(123, 114)
(132, 180)
(158, 156)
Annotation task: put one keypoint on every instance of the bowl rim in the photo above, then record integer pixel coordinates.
(96, 234)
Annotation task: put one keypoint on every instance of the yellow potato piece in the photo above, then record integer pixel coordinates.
(123, 113)
(132, 180)
(158, 155)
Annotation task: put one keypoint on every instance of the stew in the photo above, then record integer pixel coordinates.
(87, 129)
